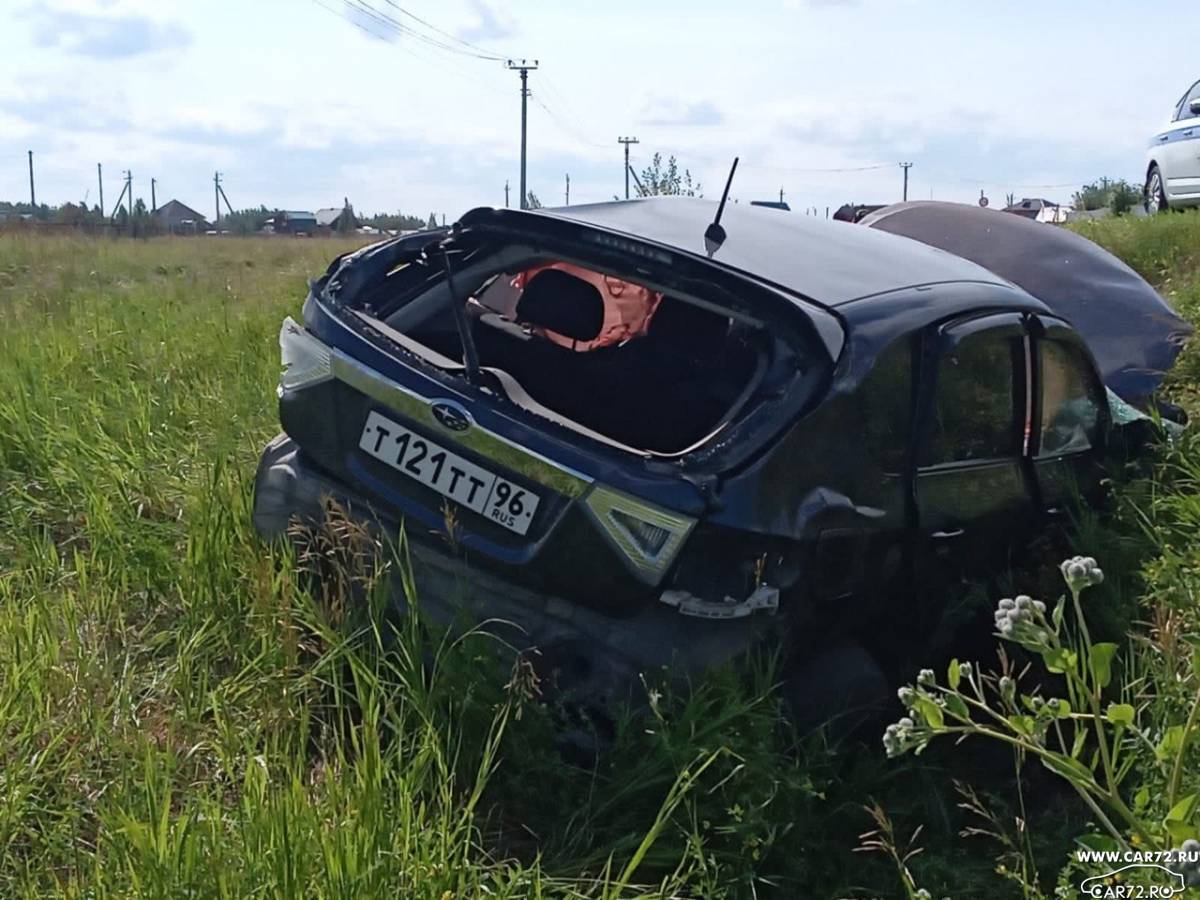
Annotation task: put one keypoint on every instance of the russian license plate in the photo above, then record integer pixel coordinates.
(449, 474)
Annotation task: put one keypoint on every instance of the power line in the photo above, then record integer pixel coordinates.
(478, 51)
(995, 180)
(395, 28)
(411, 49)
(557, 97)
(566, 127)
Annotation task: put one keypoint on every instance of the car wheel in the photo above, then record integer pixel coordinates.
(841, 688)
(1156, 197)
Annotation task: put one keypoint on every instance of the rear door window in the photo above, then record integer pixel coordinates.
(973, 490)
(977, 410)
(1071, 401)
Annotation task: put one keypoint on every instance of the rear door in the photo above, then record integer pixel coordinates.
(1070, 414)
(973, 484)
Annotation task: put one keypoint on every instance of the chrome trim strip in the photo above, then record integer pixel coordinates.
(532, 465)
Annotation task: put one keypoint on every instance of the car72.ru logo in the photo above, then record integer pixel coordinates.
(1113, 885)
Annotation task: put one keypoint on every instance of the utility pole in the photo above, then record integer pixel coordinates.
(218, 196)
(129, 194)
(120, 197)
(32, 195)
(506, 193)
(568, 198)
(781, 195)
(627, 141)
(524, 67)
(100, 178)
(153, 196)
(906, 166)
(629, 171)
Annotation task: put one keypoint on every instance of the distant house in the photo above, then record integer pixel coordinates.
(295, 222)
(772, 204)
(1038, 209)
(174, 217)
(332, 218)
(854, 212)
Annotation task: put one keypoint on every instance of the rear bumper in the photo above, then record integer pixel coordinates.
(606, 652)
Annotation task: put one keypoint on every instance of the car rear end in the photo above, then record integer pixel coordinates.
(560, 522)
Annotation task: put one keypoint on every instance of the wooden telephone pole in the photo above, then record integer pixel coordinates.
(627, 141)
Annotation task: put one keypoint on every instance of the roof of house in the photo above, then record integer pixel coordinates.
(297, 214)
(328, 215)
(175, 209)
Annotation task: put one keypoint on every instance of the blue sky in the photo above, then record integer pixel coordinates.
(299, 107)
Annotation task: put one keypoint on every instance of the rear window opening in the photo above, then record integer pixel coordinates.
(647, 370)
(608, 350)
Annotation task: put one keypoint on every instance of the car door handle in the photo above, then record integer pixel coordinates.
(948, 533)
(1163, 138)
(1188, 133)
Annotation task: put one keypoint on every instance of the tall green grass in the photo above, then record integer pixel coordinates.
(181, 716)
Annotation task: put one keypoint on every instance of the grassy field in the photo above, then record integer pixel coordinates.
(183, 712)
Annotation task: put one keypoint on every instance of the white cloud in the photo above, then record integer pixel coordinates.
(486, 21)
(105, 31)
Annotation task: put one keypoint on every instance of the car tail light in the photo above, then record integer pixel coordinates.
(650, 537)
(306, 361)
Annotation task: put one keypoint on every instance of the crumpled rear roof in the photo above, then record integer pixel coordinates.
(826, 261)
(1133, 333)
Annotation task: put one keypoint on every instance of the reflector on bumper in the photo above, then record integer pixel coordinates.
(650, 537)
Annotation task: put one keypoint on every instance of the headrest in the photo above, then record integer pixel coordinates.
(562, 303)
(689, 328)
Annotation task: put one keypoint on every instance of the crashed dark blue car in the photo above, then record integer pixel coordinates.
(642, 449)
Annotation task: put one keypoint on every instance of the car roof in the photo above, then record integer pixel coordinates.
(823, 260)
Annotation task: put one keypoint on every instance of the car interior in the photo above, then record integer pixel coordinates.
(686, 371)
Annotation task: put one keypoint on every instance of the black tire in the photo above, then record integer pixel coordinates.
(841, 688)
(1156, 197)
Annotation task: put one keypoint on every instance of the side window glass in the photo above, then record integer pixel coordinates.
(975, 412)
(886, 404)
(1070, 401)
(1185, 108)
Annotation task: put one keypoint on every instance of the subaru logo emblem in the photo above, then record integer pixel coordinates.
(450, 415)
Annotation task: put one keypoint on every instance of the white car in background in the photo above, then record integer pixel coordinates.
(1173, 159)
